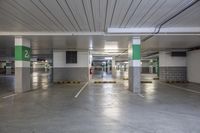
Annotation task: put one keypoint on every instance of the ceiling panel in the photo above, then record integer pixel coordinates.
(88, 12)
(156, 6)
(170, 42)
(190, 17)
(56, 10)
(77, 9)
(166, 9)
(9, 24)
(94, 15)
(109, 13)
(120, 12)
(17, 14)
(103, 13)
(142, 11)
(130, 13)
(46, 11)
(33, 10)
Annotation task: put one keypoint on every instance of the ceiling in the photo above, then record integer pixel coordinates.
(44, 45)
(170, 42)
(95, 16)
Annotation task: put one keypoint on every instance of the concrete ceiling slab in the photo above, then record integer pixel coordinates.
(93, 15)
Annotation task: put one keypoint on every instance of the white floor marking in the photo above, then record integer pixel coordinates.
(9, 96)
(82, 88)
(181, 88)
(140, 95)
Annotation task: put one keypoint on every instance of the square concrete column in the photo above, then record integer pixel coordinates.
(22, 65)
(134, 65)
(8, 68)
(113, 67)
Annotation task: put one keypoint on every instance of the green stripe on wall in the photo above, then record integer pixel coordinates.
(136, 49)
(22, 53)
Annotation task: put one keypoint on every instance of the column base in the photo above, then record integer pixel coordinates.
(22, 79)
(135, 79)
(113, 72)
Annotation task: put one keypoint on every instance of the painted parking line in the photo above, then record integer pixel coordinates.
(82, 88)
(141, 95)
(9, 96)
(181, 88)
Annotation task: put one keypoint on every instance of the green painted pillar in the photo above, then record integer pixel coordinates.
(22, 65)
(134, 52)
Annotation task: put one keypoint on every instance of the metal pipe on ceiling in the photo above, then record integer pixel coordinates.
(192, 3)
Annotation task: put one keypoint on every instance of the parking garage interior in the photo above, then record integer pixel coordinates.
(114, 66)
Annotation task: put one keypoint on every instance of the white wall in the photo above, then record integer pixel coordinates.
(165, 59)
(145, 64)
(40, 65)
(193, 66)
(59, 59)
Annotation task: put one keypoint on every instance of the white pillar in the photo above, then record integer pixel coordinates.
(22, 65)
(134, 65)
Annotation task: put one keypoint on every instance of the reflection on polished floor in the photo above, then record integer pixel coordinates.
(40, 80)
(6, 84)
(101, 108)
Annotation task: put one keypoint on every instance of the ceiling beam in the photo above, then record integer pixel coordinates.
(143, 32)
(151, 30)
(49, 33)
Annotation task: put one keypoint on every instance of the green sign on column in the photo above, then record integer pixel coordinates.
(22, 53)
(136, 52)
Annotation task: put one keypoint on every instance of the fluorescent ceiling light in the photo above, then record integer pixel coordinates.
(90, 44)
(131, 30)
(151, 30)
(108, 58)
(110, 45)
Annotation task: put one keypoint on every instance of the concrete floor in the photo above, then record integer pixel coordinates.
(101, 108)
(6, 84)
(39, 79)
